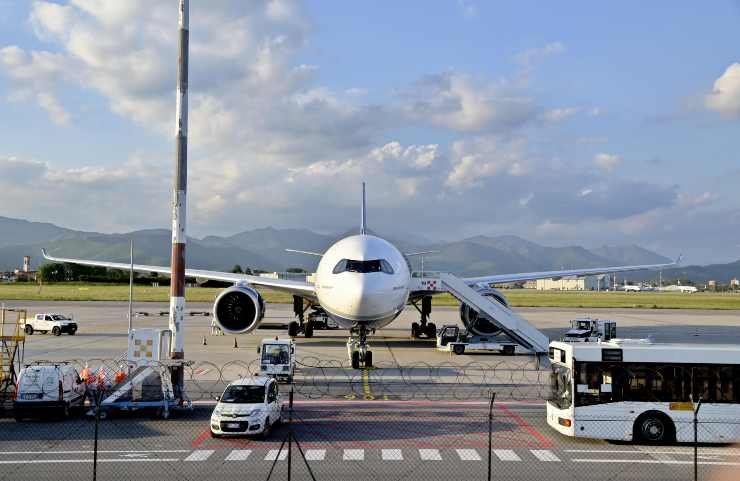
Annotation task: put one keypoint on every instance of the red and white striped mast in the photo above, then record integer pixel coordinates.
(179, 200)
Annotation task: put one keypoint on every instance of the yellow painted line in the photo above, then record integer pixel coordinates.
(366, 386)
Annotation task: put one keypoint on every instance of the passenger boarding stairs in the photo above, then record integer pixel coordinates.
(12, 341)
(513, 325)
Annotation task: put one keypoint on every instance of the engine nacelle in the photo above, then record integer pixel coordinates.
(482, 325)
(238, 309)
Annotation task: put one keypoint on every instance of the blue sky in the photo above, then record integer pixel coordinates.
(577, 123)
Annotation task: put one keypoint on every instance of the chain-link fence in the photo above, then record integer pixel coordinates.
(391, 422)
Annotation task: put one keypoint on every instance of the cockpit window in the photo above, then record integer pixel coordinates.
(363, 267)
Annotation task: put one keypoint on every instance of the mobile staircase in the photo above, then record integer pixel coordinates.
(514, 326)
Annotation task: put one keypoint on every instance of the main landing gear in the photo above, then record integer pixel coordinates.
(424, 328)
(358, 348)
(301, 325)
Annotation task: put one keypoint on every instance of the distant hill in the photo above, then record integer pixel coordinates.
(264, 248)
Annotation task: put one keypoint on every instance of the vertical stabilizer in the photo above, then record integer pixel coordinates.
(363, 221)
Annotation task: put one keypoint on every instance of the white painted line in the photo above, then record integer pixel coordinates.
(652, 461)
(544, 455)
(391, 455)
(238, 454)
(200, 455)
(354, 455)
(273, 453)
(506, 455)
(89, 451)
(682, 451)
(468, 454)
(315, 454)
(430, 455)
(120, 460)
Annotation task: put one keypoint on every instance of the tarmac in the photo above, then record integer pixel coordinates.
(403, 430)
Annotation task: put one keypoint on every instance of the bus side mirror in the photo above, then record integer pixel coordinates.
(258, 349)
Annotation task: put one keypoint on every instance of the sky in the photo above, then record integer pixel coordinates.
(564, 123)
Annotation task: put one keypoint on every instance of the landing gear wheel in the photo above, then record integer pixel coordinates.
(355, 360)
(458, 349)
(308, 330)
(369, 359)
(29, 330)
(415, 330)
(293, 328)
(56, 331)
(431, 330)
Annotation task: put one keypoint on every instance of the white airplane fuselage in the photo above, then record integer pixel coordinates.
(363, 280)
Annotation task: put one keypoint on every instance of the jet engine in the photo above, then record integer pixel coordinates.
(238, 309)
(481, 324)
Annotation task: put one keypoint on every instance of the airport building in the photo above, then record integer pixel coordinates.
(567, 284)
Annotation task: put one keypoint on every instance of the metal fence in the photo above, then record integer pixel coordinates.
(429, 422)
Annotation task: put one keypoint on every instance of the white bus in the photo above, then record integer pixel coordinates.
(637, 390)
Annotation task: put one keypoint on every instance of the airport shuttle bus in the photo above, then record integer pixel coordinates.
(643, 391)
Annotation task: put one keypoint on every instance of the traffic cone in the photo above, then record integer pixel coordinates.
(235, 344)
(204, 341)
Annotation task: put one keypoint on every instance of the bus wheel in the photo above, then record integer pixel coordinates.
(654, 427)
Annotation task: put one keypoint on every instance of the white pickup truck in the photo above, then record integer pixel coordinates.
(50, 322)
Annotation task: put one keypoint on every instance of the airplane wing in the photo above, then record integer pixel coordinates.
(293, 287)
(528, 276)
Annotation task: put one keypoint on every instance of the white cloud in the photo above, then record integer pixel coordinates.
(559, 114)
(531, 56)
(725, 96)
(460, 102)
(476, 159)
(608, 162)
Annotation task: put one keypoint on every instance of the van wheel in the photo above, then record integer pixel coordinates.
(18, 418)
(72, 332)
(654, 427)
(29, 330)
(458, 349)
(56, 331)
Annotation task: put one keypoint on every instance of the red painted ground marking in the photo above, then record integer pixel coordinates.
(544, 442)
(201, 437)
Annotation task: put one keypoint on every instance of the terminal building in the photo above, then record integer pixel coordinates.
(568, 284)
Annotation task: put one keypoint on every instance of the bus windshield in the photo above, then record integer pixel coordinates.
(560, 382)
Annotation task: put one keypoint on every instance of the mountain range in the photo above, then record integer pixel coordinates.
(264, 249)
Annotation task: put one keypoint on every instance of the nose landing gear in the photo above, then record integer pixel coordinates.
(358, 348)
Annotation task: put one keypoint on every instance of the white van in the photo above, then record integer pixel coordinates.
(249, 406)
(48, 389)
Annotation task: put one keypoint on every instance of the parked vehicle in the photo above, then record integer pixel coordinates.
(277, 358)
(248, 407)
(50, 322)
(48, 389)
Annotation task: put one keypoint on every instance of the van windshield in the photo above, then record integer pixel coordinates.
(244, 395)
(275, 354)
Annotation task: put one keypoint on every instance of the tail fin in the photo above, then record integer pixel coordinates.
(363, 221)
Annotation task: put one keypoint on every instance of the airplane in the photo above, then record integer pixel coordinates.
(363, 282)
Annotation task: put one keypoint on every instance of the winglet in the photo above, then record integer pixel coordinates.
(44, 253)
(679, 259)
(363, 220)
